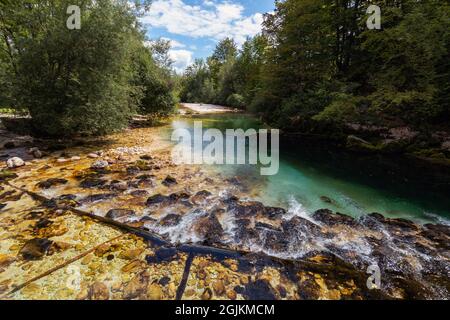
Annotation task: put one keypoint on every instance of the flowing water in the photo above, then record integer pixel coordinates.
(306, 183)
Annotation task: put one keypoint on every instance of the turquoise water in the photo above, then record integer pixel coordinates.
(308, 185)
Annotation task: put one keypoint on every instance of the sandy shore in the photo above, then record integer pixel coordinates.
(205, 108)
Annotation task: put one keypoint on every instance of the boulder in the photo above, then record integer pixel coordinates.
(156, 199)
(99, 164)
(99, 291)
(169, 181)
(170, 220)
(35, 249)
(15, 162)
(119, 213)
(47, 184)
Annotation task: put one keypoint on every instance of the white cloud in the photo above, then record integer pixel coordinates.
(174, 43)
(182, 58)
(215, 19)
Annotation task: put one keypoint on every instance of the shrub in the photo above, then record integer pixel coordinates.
(236, 101)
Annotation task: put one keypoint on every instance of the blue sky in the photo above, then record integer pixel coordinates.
(195, 26)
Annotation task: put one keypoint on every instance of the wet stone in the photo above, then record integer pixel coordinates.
(98, 197)
(35, 249)
(259, 290)
(170, 220)
(139, 193)
(156, 199)
(43, 223)
(179, 196)
(47, 184)
(273, 212)
(169, 181)
(99, 291)
(210, 229)
(99, 164)
(164, 281)
(146, 157)
(119, 213)
(162, 255)
(119, 186)
(92, 183)
(329, 218)
(136, 286)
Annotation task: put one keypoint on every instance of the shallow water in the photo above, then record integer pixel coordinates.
(306, 184)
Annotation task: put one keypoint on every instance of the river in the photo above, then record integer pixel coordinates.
(308, 181)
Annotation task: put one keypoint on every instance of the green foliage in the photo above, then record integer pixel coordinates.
(236, 101)
(317, 60)
(88, 81)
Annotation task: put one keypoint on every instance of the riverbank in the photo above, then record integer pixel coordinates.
(130, 182)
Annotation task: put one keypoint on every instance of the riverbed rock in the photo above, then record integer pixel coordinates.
(119, 213)
(35, 249)
(130, 254)
(170, 220)
(7, 175)
(209, 228)
(35, 152)
(15, 162)
(156, 199)
(162, 255)
(259, 290)
(139, 193)
(136, 286)
(169, 181)
(98, 197)
(329, 218)
(155, 292)
(201, 196)
(6, 260)
(90, 183)
(119, 186)
(99, 164)
(274, 212)
(99, 291)
(49, 183)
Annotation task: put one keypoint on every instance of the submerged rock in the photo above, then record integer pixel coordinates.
(35, 249)
(119, 213)
(329, 218)
(259, 290)
(99, 164)
(99, 291)
(47, 184)
(136, 286)
(139, 193)
(162, 255)
(170, 220)
(156, 199)
(90, 183)
(98, 197)
(7, 175)
(210, 229)
(201, 196)
(155, 292)
(169, 181)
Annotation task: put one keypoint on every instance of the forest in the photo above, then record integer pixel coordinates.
(89, 81)
(314, 65)
(316, 62)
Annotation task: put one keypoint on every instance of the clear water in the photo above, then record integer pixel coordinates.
(304, 184)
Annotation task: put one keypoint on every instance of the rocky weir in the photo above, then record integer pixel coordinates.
(127, 223)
